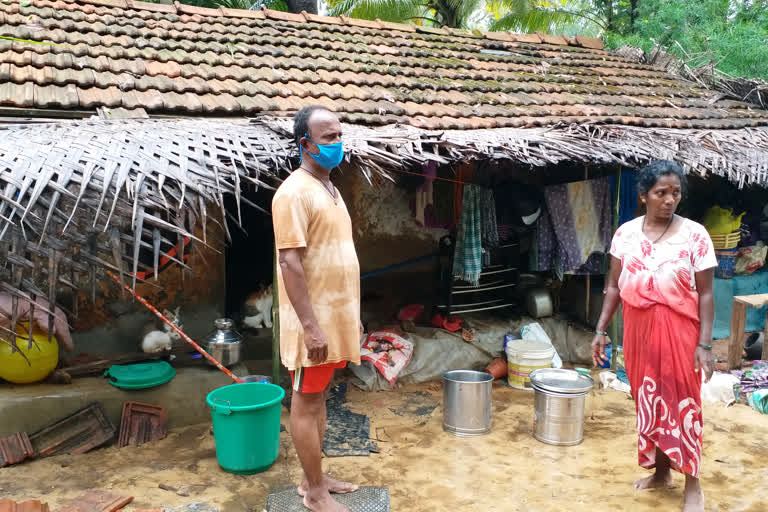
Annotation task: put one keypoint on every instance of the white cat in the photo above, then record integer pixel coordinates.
(156, 341)
(258, 309)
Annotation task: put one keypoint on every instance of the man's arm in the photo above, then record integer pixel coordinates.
(298, 293)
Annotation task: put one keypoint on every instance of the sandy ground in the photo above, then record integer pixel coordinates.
(429, 470)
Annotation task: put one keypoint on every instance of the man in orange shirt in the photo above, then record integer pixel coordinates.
(319, 293)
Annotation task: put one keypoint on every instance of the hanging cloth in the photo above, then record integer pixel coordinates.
(576, 226)
(476, 230)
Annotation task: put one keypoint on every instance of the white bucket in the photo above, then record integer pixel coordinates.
(525, 356)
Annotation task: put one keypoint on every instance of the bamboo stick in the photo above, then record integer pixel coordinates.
(175, 328)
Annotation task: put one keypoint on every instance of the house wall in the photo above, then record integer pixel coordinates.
(115, 323)
(387, 234)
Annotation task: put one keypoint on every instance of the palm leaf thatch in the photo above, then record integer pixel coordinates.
(739, 155)
(80, 197)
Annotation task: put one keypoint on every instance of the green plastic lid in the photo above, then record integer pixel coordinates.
(140, 375)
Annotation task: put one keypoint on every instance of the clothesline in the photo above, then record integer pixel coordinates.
(435, 178)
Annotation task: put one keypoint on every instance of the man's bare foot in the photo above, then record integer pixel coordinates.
(655, 481)
(318, 500)
(334, 486)
(694, 496)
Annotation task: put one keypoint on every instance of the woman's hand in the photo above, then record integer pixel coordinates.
(704, 360)
(598, 349)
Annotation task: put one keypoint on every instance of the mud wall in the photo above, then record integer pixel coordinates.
(115, 323)
(386, 234)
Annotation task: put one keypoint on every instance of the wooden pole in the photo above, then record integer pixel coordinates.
(589, 277)
(275, 325)
(614, 330)
(173, 326)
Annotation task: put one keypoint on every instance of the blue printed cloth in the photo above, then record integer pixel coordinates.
(575, 230)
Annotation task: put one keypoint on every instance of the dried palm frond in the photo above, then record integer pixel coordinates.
(78, 197)
(82, 196)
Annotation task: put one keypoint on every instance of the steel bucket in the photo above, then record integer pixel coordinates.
(559, 417)
(467, 403)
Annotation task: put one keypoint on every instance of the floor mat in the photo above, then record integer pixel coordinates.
(347, 433)
(417, 404)
(365, 499)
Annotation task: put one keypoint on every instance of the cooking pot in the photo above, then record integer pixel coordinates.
(559, 405)
(225, 344)
(539, 303)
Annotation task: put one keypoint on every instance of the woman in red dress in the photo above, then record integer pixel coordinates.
(662, 269)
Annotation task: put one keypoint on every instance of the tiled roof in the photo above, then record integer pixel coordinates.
(180, 59)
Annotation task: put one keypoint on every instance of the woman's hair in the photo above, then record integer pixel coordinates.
(650, 174)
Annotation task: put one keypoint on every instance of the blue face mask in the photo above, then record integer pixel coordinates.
(330, 155)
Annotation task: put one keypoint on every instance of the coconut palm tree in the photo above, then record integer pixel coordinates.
(518, 15)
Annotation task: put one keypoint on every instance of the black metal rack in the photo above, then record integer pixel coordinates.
(497, 281)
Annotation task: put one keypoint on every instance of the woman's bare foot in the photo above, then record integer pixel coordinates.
(318, 500)
(334, 486)
(655, 481)
(694, 496)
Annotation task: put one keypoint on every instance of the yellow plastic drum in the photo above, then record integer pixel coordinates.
(43, 357)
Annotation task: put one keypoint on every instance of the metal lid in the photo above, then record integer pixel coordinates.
(224, 333)
(560, 380)
(533, 347)
(224, 324)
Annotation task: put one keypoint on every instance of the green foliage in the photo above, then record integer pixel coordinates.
(733, 35)
(509, 15)
(278, 5)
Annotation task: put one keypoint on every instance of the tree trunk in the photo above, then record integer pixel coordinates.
(632, 15)
(303, 5)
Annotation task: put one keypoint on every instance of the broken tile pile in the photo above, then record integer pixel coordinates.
(84, 430)
(186, 59)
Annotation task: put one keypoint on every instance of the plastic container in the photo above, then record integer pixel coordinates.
(43, 357)
(525, 356)
(497, 368)
(608, 353)
(726, 261)
(246, 426)
(140, 375)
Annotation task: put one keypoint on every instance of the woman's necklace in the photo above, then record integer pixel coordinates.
(665, 229)
(331, 190)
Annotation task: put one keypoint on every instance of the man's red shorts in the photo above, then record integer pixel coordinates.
(314, 379)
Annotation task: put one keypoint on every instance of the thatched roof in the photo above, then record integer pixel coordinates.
(78, 196)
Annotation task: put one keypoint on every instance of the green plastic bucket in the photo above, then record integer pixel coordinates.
(246, 426)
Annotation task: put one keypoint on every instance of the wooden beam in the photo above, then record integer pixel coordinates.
(275, 325)
(752, 301)
(764, 357)
(736, 340)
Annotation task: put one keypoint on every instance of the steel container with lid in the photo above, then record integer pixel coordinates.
(225, 344)
(559, 405)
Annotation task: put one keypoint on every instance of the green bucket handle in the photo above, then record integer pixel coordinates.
(229, 406)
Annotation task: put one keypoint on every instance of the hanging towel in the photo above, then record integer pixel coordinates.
(575, 226)
(476, 229)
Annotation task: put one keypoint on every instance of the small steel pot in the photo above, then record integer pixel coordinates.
(225, 344)
(539, 303)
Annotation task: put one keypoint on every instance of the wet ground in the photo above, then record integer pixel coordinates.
(427, 469)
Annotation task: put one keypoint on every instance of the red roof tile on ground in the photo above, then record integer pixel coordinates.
(7, 505)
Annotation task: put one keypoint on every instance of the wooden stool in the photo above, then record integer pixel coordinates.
(738, 326)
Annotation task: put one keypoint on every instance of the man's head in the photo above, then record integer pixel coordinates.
(315, 126)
